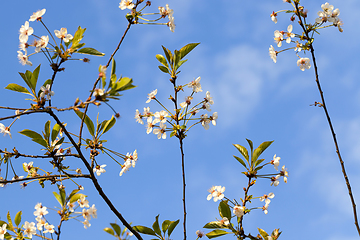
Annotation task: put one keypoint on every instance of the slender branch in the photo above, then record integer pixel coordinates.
(98, 79)
(184, 184)
(329, 120)
(45, 178)
(93, 178)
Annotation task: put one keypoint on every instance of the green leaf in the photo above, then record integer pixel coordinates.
(243, 151)
(109, 124)
(75, 197)
(58, 198)
(90, 51)
(18, 218)
(187, 48)
(214, 224)
(258, 151)
(63, 196)
(216, 233)
(224, 210)
(165, 225)
(78, 36)
(116, 228)
(124, 84)
(109, 230)
(172, 226)
(162, 60)
(10, 224)
(55, 132)
(263, 233)
(144, 230)
(258, 162)
(25, 78)
(156, 226)
(88, 122)
(179, 64)
(176, 58)
(250, 144)
(164, 69)
(35, 76)
(168, 54)
(47, 130)
(240, 161)
(113, 67)
(34, 137)
(2, 223)
(17, 88)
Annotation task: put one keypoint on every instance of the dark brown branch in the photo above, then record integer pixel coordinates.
(93, 178)
(45, 178)
(328, 119)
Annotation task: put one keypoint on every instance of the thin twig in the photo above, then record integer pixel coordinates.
(98, 79)
(329, 120)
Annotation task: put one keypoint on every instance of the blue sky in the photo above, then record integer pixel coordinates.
(255, 99)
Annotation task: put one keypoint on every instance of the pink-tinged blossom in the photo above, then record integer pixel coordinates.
(213, 118)
(267, 198)
(187, 102)
(161, 133)
(273, 17)
(238, 210)
(171, 23)
(3, 231)
(5, 130)
(149, 125)
(283, 173)
(25, 32)
(86, 224)
(23, 58)
(83, 202)
(48, 228)
(138, 117)
(41, 43)
(45, 91)
(272, 53)
(85, 213)
(216, 192)
(278, 37)
(40, 210)
(166, 11)
(126, 4)
(275, 181)
(327, 8)
(304, 63)
(160, 116)
(205, 121)
(93, 211)
(275, 161)
(29, 229)
(151, 96)
(99, 169)
(62, 34)
(37, 15)
(125, 167)
(195, 85)
(289, 34)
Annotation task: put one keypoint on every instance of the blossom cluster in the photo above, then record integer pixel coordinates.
(164, 116)
(283, 172)
(25, 32)
(216, 192)
(328, 14)
(40, 43)
(163, 11)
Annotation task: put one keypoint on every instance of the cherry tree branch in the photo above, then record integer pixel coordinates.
(328, 117)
